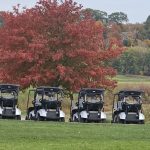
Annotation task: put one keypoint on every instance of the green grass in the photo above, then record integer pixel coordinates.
(23, 135)
(132, 78)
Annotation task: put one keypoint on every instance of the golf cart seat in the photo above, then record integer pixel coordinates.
(8, 102)
(93, 106)
(131, 107)
(50, 104)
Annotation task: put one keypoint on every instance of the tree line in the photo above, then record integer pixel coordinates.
(134, 61)
(135, 37)
(117, 25)
(116, 17)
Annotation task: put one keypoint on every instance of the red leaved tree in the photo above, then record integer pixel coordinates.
(55, 44)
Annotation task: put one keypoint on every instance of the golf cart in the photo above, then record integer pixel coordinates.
(9, 102)
(47, 104)
(89, 107)
(127, 107)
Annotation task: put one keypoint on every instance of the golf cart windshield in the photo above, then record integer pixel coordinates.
(52, 96)
(91, 95)
(91, 99)
(8, 94)
(49, 97)
(130, 97)
(49, 94)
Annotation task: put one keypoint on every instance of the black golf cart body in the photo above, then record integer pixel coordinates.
(47, 104)
(89, 106)
(127, 107)
(9, 101)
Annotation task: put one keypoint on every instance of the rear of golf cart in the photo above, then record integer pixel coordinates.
(89, 107)
(127, 107)
(47, 104)
(9, 102)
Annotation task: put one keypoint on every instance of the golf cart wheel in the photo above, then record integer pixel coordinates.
(39, 118)
(31, 118)
(70, 120)
(116, 119)
(26, 118)
(142, 122)
(83, 120)
(75, 119)
(112, 121)
(103, 121)
(18, 117)
(62, 119)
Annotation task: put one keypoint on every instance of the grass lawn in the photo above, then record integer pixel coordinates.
(24, 135)
(132, 79)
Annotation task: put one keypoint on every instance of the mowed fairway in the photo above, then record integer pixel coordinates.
(25, 135)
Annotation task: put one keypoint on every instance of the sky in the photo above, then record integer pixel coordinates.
(137, 10)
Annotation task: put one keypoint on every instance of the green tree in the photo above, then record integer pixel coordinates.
(135, 61)
(118, 17)
(1, 21)
(98, 15)
(147, 28)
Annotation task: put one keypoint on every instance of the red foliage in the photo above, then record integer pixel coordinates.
(55, 44)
